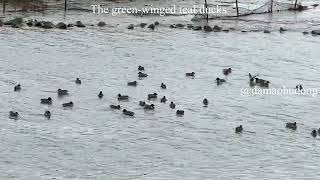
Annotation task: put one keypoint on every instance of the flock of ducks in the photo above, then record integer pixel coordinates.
(293, 126)
(253, 79)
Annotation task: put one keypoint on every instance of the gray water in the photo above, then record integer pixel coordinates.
(91, 141)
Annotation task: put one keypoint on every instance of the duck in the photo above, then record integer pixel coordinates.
(69, 104)
(220, 81)
(164, 99)
(180, 112)
(205, 101)
(163, 86)
(142, 103)
(122, 97)
(46, 101)
(128, 113)
(314, 133)
(115, 106)
(47, 114)
(141, 75)
(299, 87)
(100, 95)
(172, 105)
(78, 81)
(292, 126)
(149, 107)
(62, 92)
(227, 71)
(17, 87)
(140, 68)
(13, 114)
(152, 96)
(190, 74)
(239, 129)
(265, 84)
(133, 83)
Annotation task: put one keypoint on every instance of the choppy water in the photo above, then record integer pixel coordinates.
(93, 142)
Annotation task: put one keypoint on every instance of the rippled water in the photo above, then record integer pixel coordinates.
(91, 141)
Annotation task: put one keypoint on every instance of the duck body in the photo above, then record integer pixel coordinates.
(78, 81)
(227, 71)
(128, 113)
(17, 87)
(142, 103)
(122, 97)
(190, 74)
(172, 105)
(140, 68)
(292, 126)
(13, 114)
(149, 107)
(133, 83)
(163, 86)
(100, 95)
(180, 112)
(46, 101)
(205, 101)
(152, 96)
(299, 87)
(163, 100)
(141, 75)
(47, 114)
(239, 129)
(62, 92)
(220, 81)
(314, 133)
(115, 106)
(69, 104)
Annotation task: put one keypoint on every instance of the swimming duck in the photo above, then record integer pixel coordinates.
(115, 106)
(46, 101)
(141, 75)
(128, 113)
(172, 105)
(100, 95)
(13, 114)
(133, 83)
(205, 101)
(17, 87)
(163, 86)
(190, 74)
(78, 81)
(141, 68)
(314, 133)
(164, 99)
(264, 84)
(292, 126)
(152, 96)
(239, 129)
(142, 103)
(227, 71)
(299, 87)
(180, 112)
(220, 81)
(69, 104)
(47, 114)
(122, 97)
(62, 92)
(149, 107)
